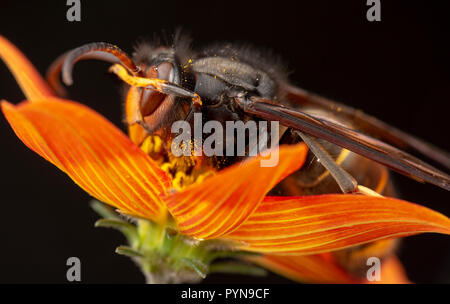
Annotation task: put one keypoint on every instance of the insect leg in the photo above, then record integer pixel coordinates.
(345, 181)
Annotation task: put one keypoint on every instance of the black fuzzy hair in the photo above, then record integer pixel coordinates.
(180, 42)
(263, 59)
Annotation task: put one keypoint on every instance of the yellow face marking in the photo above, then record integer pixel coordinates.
(136, 81)
(142, 82)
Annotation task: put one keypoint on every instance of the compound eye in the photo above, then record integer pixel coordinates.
(151, 99)
(165, 71)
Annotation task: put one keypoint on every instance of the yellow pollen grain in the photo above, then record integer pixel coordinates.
(152, 144)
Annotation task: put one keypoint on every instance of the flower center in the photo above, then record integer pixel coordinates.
(184, 170)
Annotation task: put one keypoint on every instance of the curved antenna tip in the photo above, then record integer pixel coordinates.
(67, 77)
(96, 50)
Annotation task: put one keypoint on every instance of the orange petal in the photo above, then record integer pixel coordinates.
(321, 223)
(222, 202)
(93, 152)
(392, 272)
(319, 268)
(31, 82)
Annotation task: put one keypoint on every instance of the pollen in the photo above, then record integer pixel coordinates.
(152, 145)
(185, 170)
(180, 180)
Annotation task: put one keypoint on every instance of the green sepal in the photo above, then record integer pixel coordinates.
(199, 267)
(237, 268)
(220, 254)
(128, 251)
(166, 256)
(126, 228)
(104, 210)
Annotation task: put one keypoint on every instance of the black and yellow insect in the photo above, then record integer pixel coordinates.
(226, 82)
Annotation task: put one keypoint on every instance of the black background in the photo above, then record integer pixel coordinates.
(396, 70)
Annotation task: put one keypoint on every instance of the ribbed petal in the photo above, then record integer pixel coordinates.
(319, 268)
(322, 269)
(93, 152)
(316, 224)
(32, 84)
(221, 203)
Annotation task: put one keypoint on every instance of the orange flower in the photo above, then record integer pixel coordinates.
(294, 234)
